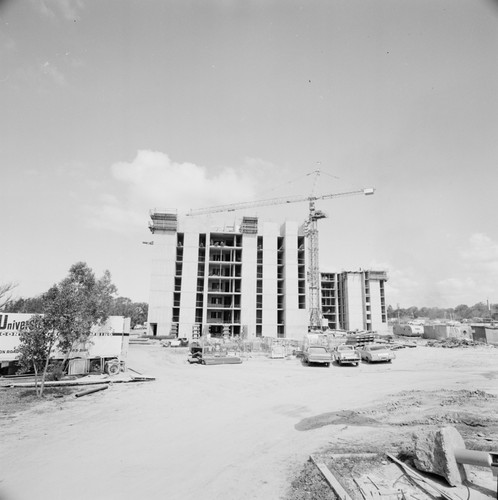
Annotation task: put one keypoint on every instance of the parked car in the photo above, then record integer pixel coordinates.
(372, 353)
(346, 354)
(317, 355)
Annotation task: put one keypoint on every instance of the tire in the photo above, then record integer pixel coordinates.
(327, 364)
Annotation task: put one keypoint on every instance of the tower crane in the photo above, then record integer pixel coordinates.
(311, 231)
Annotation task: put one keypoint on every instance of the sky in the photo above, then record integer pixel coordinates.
(111, 108)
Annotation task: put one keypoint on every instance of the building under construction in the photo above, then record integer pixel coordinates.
(354, 300)
(249, 279)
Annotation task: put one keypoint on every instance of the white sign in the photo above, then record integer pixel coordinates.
(106, 341)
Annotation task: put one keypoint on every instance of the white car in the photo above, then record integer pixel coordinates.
(374, 353)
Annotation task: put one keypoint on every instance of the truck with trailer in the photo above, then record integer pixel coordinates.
(105, 350)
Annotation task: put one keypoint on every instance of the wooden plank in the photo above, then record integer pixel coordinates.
(367, 488)
(354, 455)
(331, 480)
(362, 490)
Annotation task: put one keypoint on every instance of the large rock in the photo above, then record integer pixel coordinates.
(434, 452)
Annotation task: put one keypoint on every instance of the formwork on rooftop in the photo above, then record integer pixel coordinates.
(249, 225)
(163, 221)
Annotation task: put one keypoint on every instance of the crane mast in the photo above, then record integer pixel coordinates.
(315, 322)
(311, 232)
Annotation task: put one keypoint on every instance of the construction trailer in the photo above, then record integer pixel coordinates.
(443, 331)
(408, 329)
(487, 333)
(105, 350)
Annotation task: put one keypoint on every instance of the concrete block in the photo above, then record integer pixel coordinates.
(434, 452)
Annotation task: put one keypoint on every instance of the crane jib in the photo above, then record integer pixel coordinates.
(276, 201)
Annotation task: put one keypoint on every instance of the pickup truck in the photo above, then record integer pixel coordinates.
(346, 354)
(317, 355)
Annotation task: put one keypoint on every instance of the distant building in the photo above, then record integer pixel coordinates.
(354, 300)
(248, 279)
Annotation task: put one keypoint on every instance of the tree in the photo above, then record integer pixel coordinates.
(6, 294)
(77, 303)
(29, 305)
(36, 343)
(463, 311)
(136, 311)
(70, 309)
(480, 310)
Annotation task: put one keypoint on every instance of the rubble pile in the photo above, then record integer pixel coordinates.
(454, 342)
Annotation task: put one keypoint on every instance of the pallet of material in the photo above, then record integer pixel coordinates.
(221, 360)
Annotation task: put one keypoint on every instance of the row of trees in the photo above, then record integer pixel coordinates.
(65, 315)
(119, 306)
(458, 313)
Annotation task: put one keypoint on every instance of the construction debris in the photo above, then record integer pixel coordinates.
(331, 480)
(91, 391)
(434, 452)
(87, 380)
(424, 483)
(451, 343)
(214, 352)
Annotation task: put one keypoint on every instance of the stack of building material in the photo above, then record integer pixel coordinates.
(360, 339)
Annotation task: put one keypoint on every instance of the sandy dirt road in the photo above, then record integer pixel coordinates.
(210, 432)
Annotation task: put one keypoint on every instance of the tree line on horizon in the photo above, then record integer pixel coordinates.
(479, 311)
(118, 306)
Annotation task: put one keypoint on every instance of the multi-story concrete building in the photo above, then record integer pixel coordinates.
(248, 279)
(354, 300)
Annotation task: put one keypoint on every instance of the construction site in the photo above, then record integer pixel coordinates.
(254, 279)
(265, 428)
(265, 379)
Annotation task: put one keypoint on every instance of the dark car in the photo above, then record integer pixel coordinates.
(317, 355)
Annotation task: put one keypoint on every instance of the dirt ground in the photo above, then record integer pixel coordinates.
(243, 431)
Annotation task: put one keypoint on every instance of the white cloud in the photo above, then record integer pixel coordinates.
(7, 44)
(482, 252)
(471, 277)
(41, 75)
(69, 9)
(50, 70)
(153, 180)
